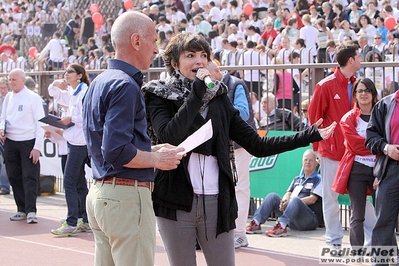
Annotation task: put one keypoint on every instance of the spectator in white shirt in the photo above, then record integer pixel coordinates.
(56, 58)
(252, 35)
(163, 26)
(309, 34)
(235, 34)
(215, 16)
(54, 13)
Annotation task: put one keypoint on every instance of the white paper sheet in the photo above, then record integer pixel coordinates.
(203, 134)
(55, 136)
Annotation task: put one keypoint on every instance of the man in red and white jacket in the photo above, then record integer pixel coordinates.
(331, 100)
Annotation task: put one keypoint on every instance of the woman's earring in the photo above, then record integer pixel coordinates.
(79, 81)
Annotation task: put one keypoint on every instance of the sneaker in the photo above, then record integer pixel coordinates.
(83, 227)
(240, 241)
(277, 231)
(337, 248)
(4, 192)
(19, 216)
(31, 218)
(65, 230)
(253, 228)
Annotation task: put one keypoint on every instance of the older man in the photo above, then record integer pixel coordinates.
(278, 118)
(300, 208)
(119, 205)
(22, 136)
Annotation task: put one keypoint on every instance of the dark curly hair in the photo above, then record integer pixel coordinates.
(180, 43)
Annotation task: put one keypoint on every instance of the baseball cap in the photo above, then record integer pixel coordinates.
(7, 38)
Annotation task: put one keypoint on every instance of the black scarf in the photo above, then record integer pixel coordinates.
(177, 88)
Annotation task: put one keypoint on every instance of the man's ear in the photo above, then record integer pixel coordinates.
(135, 41)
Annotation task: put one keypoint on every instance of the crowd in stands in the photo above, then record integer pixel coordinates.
(274, 32)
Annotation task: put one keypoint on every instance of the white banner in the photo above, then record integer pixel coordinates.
(50, 161)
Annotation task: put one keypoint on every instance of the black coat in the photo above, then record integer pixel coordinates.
(173, 124)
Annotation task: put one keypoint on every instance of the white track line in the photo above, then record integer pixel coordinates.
(280, 253)
(47, 245)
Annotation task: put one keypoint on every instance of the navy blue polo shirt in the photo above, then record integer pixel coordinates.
(114, 122)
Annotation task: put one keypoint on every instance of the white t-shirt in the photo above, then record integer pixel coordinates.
(368, 160)
(309, 34)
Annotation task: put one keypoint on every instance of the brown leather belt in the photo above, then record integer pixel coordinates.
(125, 182)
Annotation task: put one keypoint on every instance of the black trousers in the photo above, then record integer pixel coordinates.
(22, 173)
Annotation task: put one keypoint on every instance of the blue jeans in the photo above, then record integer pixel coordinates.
(4, 182)
(75, 184)
(297, 215)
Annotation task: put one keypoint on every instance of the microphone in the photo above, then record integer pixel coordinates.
(209, 83)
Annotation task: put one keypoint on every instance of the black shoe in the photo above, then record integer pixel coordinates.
(4, 192)
(197, 246)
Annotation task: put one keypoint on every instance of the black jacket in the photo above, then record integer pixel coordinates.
(378, 132)
(172, 124)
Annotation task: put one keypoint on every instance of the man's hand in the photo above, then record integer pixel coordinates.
(2, 136)
(34, 154)
(168, 159)
(393, 151)
(283, 205)
(155, 148)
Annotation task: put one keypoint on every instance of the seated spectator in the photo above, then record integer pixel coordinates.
(40, 15)
(354, 15)
(336, 30)
(304, 113)
(381, 29)
(305, 55)
(6, 63)
(252, 35)
(366, 29)
(162, 41)
(268, 35)
(185, 26)
(7, 47)
(92, 44)
(278, 118)
(235, 34)
(300, 208)
(285, 51)
(380, 77)
(378, 45)
(291, 30)
(259, 114)
(244, 23)
(314, 15)
(195, 10)
(163, 25)
(346, 31)
(82, 59)
(201, 25)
